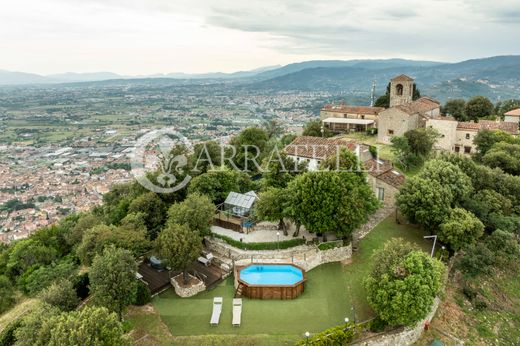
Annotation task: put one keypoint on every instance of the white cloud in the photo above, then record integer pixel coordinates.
(141, 37)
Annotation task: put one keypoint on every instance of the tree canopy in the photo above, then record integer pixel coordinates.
(313, 128)
(424, 201)
(218, 183)
(403, 284)
(460, 228)
(478, 107)
(112, 279)
(455, 108)
(178, 247)
(196, 212)
(331, 201)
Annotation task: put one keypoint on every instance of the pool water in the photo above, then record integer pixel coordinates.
(271, 275)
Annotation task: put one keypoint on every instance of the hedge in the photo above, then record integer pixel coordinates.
(339, 335)
(285, 244)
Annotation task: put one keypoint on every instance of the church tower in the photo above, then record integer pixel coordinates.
(401, 90)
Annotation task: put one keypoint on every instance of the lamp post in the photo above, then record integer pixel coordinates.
(278, 240)
(346, 320)
(434, 242)
(442, 253)
(322, 130)
(307, 335)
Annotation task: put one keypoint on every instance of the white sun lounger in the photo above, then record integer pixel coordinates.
(237, 312)
(206, 260)
(217, 310)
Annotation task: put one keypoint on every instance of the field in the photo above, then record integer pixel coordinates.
(331, 293)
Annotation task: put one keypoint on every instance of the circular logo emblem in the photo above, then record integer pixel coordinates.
(153, 154)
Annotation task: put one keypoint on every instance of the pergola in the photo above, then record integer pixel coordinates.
(348, 124)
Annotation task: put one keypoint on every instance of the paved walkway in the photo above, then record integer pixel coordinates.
(266, 231)
(260, 235)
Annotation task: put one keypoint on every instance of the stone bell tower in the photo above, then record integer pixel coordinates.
(401, 90)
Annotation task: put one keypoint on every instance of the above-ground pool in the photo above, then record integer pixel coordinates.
(271, 281)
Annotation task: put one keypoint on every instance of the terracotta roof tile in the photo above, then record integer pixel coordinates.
(385, 171)
(317, 147)
(510, 127)
(514, 113)
(422, 105)
(402, 77)
(353, 109)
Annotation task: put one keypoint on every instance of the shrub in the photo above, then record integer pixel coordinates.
(480, 305)
(340, 335)
(469, 292)
(286, 244)
(143, 295)
(476, 259)
(81, 285)
(60, 294)
(377, 325)
(7, 337)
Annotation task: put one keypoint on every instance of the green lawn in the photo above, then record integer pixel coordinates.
(330, 291)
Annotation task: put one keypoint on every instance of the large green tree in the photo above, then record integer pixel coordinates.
(505, 156)
(251, 147)
(154, 210)
(271, 206)
(331, 201)
(7, 297)
(89, 326)
(280, 170)
(112, 279)
(478, 107)
(218, 183)
(424, 201)
(60, 294)
(179, 247)
(313, 129)
(456, 109)
(401, 288)
(196, 211)
(449, 176)
(460, 228)
(486, 139)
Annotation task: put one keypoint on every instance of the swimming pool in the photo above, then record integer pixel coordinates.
(271, 274)
(271, 281)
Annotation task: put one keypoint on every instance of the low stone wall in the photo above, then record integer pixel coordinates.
(403, 337)
(185, 292)
(305, 256)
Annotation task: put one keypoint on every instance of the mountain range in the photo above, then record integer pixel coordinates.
(495, 77)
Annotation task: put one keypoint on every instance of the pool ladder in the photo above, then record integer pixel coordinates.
(238, 292)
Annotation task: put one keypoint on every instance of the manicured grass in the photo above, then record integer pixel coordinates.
(330, 291)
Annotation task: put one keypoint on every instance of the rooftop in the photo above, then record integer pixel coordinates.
(421, 105)
(353, 109)
(317, 147)
(506, 126)
(385, 171)
(513, 113)
(402, 77)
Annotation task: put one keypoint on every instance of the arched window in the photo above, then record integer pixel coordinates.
(399, 89)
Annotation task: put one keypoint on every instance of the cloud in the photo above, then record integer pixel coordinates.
(205, 35)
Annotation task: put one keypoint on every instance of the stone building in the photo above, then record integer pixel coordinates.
(382, 177)
(458, 136)
(401, 90)
(513, 116)
(314, 150)
(397, 120)
(384, 180)
(343, 118)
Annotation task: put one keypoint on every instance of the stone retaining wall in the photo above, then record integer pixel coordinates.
(305, 256)
(404, 337)
(185, 292)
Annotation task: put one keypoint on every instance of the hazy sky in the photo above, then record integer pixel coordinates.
(161, 36)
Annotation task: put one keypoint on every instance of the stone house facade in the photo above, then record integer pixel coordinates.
(457, 136)
(513, 116)
(404, 114)
(343, 118)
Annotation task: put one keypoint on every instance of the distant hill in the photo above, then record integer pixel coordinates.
(492, 77)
